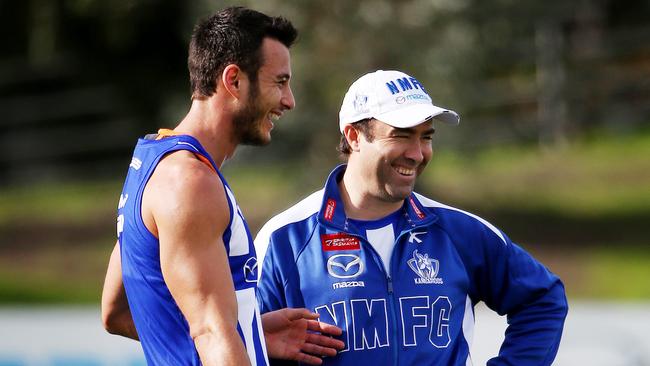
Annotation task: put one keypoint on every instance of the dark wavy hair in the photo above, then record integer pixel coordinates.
(232, 36)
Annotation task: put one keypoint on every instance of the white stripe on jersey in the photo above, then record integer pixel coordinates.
(468, 328)
(260, 330)
(238, 237)
(190, 145)
(300, 211)
(431, 203)
(247, 312)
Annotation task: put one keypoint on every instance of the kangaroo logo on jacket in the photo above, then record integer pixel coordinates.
(426, 268)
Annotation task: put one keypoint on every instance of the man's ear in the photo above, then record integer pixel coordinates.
(232, 79)
(353, 136)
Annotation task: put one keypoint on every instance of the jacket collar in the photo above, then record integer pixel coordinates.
(332, 212)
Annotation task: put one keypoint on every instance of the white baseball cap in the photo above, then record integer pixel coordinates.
(392, 97)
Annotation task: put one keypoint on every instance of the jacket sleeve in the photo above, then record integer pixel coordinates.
(511, 282)
(535, 303)
(270, 289)
(270, 286)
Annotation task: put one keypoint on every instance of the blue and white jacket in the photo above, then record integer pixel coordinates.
(444, 262)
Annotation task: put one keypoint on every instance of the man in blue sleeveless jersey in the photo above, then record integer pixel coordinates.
(399, 272)
(183, 276)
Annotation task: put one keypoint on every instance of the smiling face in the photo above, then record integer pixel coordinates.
(392, 160)
(268, 98)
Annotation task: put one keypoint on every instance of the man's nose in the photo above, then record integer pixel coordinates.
(415, 151)
(287, 99)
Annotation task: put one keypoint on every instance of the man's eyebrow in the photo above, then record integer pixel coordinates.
(403, 130)
(412, 130)
(283, 76)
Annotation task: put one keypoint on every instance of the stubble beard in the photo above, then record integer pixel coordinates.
(248, 121)
(387, 193)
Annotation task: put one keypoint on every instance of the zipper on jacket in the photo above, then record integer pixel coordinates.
(391, 309)
(389, 287)
(391, 299)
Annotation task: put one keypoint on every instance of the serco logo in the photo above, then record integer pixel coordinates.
(344, 266)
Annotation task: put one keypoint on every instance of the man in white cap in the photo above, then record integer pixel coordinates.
(398, 272)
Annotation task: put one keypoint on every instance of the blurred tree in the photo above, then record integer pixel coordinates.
(80, 79)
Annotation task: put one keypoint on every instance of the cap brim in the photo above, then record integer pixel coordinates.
(414, 115)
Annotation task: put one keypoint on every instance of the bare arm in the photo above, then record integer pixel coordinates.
(191, 214)
(116, 315)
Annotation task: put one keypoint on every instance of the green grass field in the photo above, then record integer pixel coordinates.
(593, 178)
(582, 210)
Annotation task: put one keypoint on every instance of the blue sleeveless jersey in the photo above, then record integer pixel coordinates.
(162, 328)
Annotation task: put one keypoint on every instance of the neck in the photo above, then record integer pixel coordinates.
(359, 203)
(212, 126)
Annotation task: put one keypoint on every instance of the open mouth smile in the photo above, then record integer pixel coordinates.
(405, 171)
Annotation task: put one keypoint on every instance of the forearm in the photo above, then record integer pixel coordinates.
(116, 314)
(221, 348)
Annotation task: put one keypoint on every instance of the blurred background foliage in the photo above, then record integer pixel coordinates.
(553, 145)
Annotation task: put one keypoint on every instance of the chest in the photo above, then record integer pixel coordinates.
(340, 266)
(423, 298)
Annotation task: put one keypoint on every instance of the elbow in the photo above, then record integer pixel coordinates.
(108, 321)
(565, 303)
(111, 320)
(119, 322)
(558, 297)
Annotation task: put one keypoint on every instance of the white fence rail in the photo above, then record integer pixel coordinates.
(611, 334)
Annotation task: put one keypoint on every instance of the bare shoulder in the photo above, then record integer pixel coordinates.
(185, 191)
(182, 168)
